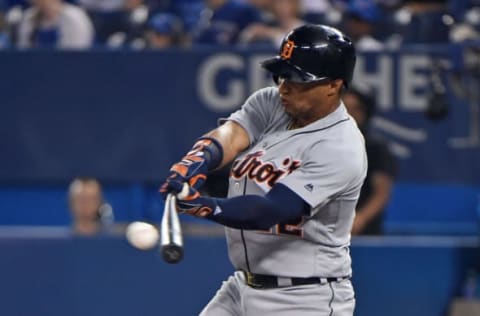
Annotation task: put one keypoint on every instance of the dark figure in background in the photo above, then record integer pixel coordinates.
(86, 206)
(109, 16)
(222, 21)
(285, 17)
(361, 20)
(163, 31)
(425, 21)
(189, 11)
(4, 40)
(376, 189)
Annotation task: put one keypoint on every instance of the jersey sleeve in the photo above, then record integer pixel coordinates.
(256, 113)
(326, 174)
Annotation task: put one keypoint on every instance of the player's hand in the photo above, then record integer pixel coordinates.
(189, 200)
(192, 169)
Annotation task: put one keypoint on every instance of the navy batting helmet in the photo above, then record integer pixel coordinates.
(313, 53)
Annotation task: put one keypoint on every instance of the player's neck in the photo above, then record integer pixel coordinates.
(321, 112)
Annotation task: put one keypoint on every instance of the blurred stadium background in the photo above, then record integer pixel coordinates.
(143, 79)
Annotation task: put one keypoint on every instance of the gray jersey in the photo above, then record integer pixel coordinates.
(324, 163)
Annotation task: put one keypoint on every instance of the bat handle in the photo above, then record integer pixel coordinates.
(171, 241)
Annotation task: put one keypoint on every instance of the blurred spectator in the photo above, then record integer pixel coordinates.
(85, 199)
(4, 40)
(12, 19)
(222, 21)
(361, 18)
(389, 3)
(376, 189)
(264, 8)
(316, 6)
(459, 8)
(472, 17)
(262, 5)
(467, 28)
(54, 23)
(131, 25)
(14, 3)
(424, 22)
(287, 17)
(315, 11)
(108, 17)
(102, 5)
(163, 31)
(189, 11)
(138, 13)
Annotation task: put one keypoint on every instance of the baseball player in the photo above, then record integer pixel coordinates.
(298, 165)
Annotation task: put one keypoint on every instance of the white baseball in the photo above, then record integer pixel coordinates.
(142, 235)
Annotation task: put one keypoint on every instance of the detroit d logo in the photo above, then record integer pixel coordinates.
(287, 49)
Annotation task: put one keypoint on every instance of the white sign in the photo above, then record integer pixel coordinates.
(410, 81)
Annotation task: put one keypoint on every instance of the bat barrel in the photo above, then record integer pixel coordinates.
(171, 241)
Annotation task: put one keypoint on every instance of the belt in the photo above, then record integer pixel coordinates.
(262, 281)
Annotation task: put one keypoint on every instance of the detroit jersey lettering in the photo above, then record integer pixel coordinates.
(259, 171)
(324, 163)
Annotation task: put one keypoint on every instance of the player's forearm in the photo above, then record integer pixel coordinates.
(253, 212)
(250, 212)
(233, 138)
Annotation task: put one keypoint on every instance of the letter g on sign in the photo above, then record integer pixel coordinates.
(208, 91)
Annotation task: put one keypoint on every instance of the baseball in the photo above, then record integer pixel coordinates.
(142, 235)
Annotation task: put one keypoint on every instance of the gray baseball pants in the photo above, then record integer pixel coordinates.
(236, 298)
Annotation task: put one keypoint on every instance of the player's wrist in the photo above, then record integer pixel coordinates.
(205, 155)
(212, 151)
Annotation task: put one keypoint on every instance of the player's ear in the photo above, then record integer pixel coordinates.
(335, 87)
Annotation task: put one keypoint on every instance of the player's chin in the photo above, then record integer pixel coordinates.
(291, 111)
(288, 108)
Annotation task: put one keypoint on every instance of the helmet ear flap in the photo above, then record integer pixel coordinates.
(276, 79)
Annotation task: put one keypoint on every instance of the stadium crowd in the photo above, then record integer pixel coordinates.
(158, 24)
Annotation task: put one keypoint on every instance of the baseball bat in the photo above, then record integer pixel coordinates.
(171, 240)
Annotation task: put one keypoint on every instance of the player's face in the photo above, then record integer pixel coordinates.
(85, 201)
(309, 100)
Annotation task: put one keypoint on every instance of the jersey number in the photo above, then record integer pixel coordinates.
(292, 228)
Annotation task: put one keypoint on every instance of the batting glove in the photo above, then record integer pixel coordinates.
(189, 200)
(206, 154)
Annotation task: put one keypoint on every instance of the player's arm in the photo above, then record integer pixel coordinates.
(280, 205)
(233, 138)
(252, 212)
(211, 151)
(220, 146)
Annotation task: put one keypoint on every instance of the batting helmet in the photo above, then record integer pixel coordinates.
(313, 53)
